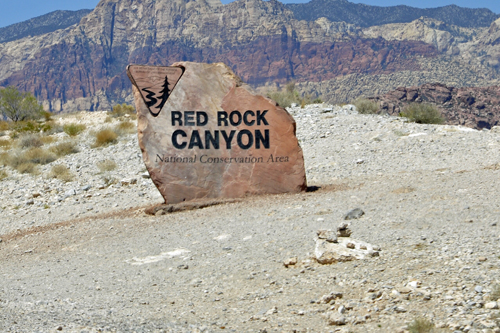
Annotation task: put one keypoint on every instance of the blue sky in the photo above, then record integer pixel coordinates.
(20, 10)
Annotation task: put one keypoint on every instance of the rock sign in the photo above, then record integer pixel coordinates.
(205, 134)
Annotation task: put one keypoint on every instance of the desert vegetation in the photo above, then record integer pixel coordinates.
(422, 113)
(366, 106)
(289, 95)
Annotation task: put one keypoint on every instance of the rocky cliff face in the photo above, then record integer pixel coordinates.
(472, 107)
(83, 67)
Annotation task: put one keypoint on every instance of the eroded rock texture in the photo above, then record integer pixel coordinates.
(215, 138)
(472, 107)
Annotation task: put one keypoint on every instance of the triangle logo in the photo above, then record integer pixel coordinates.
(155, 83)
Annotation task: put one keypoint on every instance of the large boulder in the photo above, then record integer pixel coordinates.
(205, 134)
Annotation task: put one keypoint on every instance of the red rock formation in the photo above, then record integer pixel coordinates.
(473, 107)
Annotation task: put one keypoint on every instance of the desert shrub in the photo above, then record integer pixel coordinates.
(39, 156)
(125, 127)
(286, 97)
(19, 106)
(5, 159)
(423, 325)
(29, 141)
(366, 106)
(104, 137)
(5, 144)
(4, 125)
(47, 115)
(73, 129)
(27, 167)
(64, 148)
(61, 172)
(28, 126)
(47, 139)
(52, 127)
(3, 174)
(422, 113)
(106, 165)
(121, 110)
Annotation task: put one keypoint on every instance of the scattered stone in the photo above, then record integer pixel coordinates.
(343, 230)
(482, 259)
(354, 214)
(290, 262)
(271, 311)
(478, 289)
(336, 319)
(405, 290)
(328, 253)
(491, 305)
(328, 235)
(327, 299)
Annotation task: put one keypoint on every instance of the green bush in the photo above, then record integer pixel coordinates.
(422, 113)
(18, 106)
(286, 97)
(104, 137)
(73, 129)
(366, 106)
(121, 110)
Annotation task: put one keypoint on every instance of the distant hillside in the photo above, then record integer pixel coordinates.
(366, 16)
(50, 22)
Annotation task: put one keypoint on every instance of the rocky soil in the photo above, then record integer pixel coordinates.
(84, 257)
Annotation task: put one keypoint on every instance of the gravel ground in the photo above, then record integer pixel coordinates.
(430, 202)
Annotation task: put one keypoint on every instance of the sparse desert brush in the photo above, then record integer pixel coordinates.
(74, 129)
(64, 148)
(5, 144)
(422, 113)
(366, 106)
(106, 165)
(52, 127)
(3, 174)
(27, 167)
(28, 126)
(125, 127)
(285, 97)
(423, 325)
(5, 159)
(47, 139)
(29, 140)
(104, 137)
(121, 110)
(47, 115)
(4, 125)
(61, 172)
(39, 156)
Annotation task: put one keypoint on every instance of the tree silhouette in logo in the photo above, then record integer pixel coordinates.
(165, 92)
(152, 99)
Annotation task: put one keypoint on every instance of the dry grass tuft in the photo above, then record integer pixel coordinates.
(5, 159)
(106, 165)
(48, 139)
(3, 174)
(4, 125)
(5, 143)
(105, 137)
(29, 141)
(125, 127)
(64, 148)
(61, 172)
(74, 129)
(28, 167)
(39, 156)
(495, 292)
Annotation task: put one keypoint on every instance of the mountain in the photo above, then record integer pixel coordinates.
(82, 67)
(366, 15)
(50, 22)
